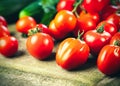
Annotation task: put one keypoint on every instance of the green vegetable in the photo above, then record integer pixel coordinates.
(8, 7)
(42, 10)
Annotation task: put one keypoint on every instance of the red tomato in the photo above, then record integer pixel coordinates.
(25, 23)
(96, 39)
(4, 31)
(108, 61)
(94, 5)
(3, 21)
(72, 53)
(109, 27)
(108, 10)
(40, 45)
(115, 19)
(64, 23)
(65, 5)
(86, 21)
(54, 32)
(115, 38)
(8, 46)
(43, 28)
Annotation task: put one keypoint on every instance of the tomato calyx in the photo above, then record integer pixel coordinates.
(117, 43)
(101, 28)
(80, 35)
(34, 31)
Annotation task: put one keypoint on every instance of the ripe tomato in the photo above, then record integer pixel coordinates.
(25, 23)
(54, 32)
(63, 23)
(108, 61)
(65, 5)
(72, 53)
(43, 28)
(40, 45)
(94, 5)
(108, 27)
(4, 31)
(86, 21)
(3, 21)
(96, 39)
(115, 38)
(8, 45)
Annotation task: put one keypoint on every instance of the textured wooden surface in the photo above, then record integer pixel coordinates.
(24, 70)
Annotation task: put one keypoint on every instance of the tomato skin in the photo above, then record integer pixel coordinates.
(3, 21)
(8, 46)
(94, 5)
(4, 31)
(72, 53)
(65, 5)
(108, 61)
(25, 23)
(40, 45)
(96, 40)
(115, 37)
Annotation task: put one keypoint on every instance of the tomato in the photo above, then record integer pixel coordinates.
(8, 46)
(86, 21)
(108, 61)
(96, 39)
(72, 53)
(25, 23)
(3, 21)
(109, 27)
(94, 5)
(65, 5)
(115, 38)
(54, 32)
(40, 45)
(115, 19)
(63, 23)
(108, 10)
(4, 31)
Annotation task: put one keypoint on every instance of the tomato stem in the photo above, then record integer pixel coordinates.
(76, 6)
(117, 42)
(101, 28)
(80, 34)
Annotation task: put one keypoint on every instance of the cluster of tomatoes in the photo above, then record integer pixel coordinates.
(95, 23)
(8, 43)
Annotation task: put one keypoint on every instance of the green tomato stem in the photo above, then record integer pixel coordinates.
(101, 28)
(117, 42)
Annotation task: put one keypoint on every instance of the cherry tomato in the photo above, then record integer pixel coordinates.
(43, 28)
(115, 38)
(40, 45)
(8, 46)
(96, 39)
(54, 32)
(108, 10)
(3, 21)
(25, 23)
(109, 27)
(94, 5)
(115, 19)
(108, 61)
(64, 23)
(65, 5)
(72, 53)
(86, 21)
(4, 31)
